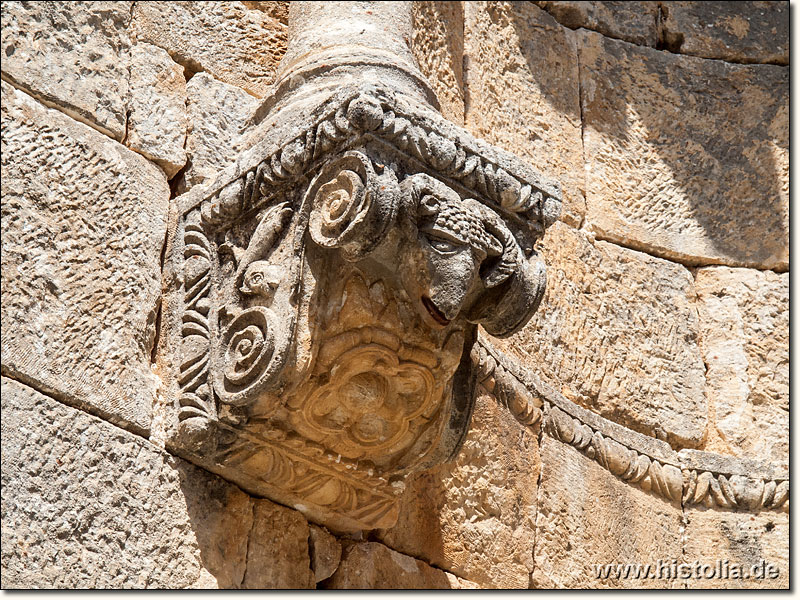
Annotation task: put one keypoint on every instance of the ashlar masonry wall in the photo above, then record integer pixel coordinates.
(666, 311)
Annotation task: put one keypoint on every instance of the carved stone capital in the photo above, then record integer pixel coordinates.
(333, 281)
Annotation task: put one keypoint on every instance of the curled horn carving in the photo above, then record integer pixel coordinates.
(245, 352)
(514, 285)
(351, 206)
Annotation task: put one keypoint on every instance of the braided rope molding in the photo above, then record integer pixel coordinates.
(502, 179)
(689, 477)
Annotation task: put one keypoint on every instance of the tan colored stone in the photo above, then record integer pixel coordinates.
(277, 10)
(232, 43)
(88, 505)
(686, 158)
(157, 122)
(73, 55)
(218, 115)
(521, 85)
(325, 552)
(371, 565)
(757, 544)
(277, 554)
(744, 318)
(617, 333)
(589, 518)
(634, 22)
(474, 517)
(746, 32)
(438, 46)
(84, 221)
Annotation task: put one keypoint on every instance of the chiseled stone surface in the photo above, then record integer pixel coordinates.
(686, 158)
(226, 39)
(589, 517)
(370, 565)
(74, 55)
(617, 333)
(277, 554)
(278, 10)
(634, 22)
(157, 122)
(746, 32)
(521, 82)
(475, 516)
(722, 538)
(218, 115)
(88, 505)
(83, 226)
(325, 552)
(438, 46)
(744, 319)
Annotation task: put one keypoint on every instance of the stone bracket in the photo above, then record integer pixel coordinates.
(332, 284)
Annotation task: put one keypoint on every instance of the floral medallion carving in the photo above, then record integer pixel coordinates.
(332, 289)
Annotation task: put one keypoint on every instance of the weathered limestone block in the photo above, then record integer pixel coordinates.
(83, 225)
(746, 32)
(232, 43)
(757, 544)
(521, 85)
(475, 516)
(219, 114)
(157, 122)
(278, 10)
(371, 565)
(87, 505)
(686, 158)
(438, 46)
(325, 552)
(744, 320)
(278, 556)
(634, 22)
(588, 518)
(617, 334)
(73, 55)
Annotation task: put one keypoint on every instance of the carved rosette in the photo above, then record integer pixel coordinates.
(332, 290)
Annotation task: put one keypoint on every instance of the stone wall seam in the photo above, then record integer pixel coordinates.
(685, 477)
(660, 42)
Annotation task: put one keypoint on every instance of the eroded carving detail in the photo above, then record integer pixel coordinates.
(342, 279)
(666, 475)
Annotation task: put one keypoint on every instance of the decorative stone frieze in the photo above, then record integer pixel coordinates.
(687, 477)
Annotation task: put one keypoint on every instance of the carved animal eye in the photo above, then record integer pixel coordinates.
(442, 245)
(256, 278)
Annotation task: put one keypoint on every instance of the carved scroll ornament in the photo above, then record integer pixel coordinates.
(331, 294)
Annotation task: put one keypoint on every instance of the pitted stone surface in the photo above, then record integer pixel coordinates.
(371, 565)
(686, 158)
(617, 334)
(73, 55)
(325, 552)
(521, 86)
(218, 115)
(89, 505)
(744, 320)
(634, 22)
(756, 543)
(226, 39)
(475, 516)
(84, 221)
(438, 46)
(587, 518)
(157, 122)
(746, 32)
